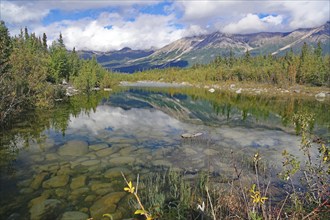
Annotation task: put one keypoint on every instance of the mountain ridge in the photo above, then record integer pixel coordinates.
(202, 49)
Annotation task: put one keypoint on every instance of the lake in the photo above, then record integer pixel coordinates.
(66, 162)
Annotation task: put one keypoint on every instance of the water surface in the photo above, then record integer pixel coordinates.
(71, 156)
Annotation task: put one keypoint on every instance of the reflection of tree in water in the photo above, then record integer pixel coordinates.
(31, 125)
(191, 104)
(235, 108)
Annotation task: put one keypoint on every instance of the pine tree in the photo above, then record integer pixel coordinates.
(60, 41)
(44, 41)
(5, 50)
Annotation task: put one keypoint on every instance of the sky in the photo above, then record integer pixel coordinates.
(105, 25)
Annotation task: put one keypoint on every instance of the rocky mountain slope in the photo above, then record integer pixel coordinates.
(204, 48)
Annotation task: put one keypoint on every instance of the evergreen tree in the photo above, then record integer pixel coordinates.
(44, 41)
(60, 41)
(5, 49)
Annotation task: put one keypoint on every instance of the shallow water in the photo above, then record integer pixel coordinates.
(70, 158)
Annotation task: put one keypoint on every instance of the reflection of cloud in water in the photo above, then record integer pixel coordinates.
(130, 121)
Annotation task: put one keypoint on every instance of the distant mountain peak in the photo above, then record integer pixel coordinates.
(204, 48)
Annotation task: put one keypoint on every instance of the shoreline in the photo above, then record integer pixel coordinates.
(319, 93)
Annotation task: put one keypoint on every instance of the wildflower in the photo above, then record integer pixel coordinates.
(256, 196)
(130, 187)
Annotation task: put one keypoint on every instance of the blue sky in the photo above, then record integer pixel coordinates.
(110, 25)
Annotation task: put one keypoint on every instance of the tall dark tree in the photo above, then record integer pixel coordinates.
(5, 49)
(44, 41)
(26, 33)
(60, 41)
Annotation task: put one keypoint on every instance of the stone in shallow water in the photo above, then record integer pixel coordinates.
(26, 191)
(78, 182)
(73, 148)
(122, 160)
(38, 179)
(39, 199)
(106, 204)
(90, 162)
(116, 172)
(105, 152)
(97, 147)
(90, 198)
(47, 209)
(56, 181)
(74, 215)
(99, 185)
(61, 193)
(188, 135)
(80, 191)
(64, 170)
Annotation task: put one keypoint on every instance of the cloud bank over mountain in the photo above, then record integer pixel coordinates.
(112, 25)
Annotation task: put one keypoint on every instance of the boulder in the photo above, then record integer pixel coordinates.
(47, 209)
(73, 148)
(320, 96)
(188, 135)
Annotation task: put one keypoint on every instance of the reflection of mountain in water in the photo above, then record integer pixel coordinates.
(191, 110)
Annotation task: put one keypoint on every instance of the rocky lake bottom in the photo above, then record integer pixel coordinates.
(78, 175)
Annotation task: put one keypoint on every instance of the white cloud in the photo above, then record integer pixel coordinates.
(149, 30)
(194, 30)
(283, 15)
(145, 31)
(13, 13)
(274, 20)
(248, 24)
(129, 121)
(307, 13)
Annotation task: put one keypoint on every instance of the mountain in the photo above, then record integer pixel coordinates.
(202, 49)
(112, 59)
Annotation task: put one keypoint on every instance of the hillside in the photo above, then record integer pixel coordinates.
(202, 49)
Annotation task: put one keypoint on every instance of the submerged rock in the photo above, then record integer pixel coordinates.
(105, 152)
(73, 148)
(97, 147)
(74, 215)
(44, 196)
(78, 182)
(47, 209)
(106, 204)
(56, 181)
(122, 160)
(90, 162)
(116, 173)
